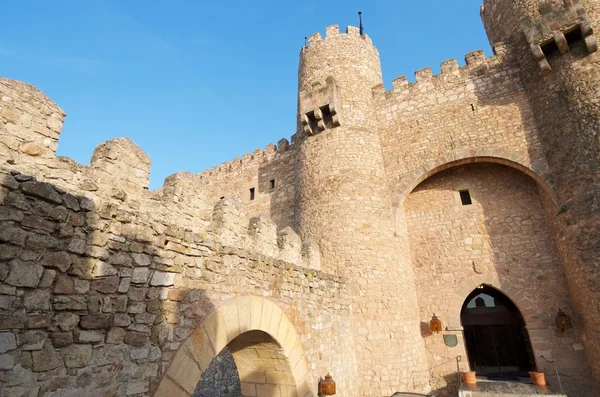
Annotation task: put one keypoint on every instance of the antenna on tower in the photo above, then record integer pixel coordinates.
(361, 24)
(305, 41)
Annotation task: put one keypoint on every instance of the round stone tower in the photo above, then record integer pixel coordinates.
(345, 205)
(555, 46)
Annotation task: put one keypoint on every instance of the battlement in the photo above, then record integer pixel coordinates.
(270, 152)
(477, 64)
(33, 121)
(333, 32)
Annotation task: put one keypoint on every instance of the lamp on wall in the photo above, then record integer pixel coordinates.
(327, 386)
(563, 321)
(435, 324)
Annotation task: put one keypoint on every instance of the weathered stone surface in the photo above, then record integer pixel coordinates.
(61, 339)
(72, 302)
(77, 356)
(46, 359)
(39, 321)
(37, 299)
(42, 190)
(58, 260)
(24, 274)
(89, 336)
(115, 335)
(33, 340)
(140, 275)
(64, 285)
(136, 338)
(96, 321)
(13, 320)
(47, 278)
(6, 362)
(122, 320)
(66, 321)
(106, 285)
(162, 279)
(8, 342)
(141, 259)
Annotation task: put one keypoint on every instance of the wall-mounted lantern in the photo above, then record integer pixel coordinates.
(563, 321)
(435, 324)
(327, 386)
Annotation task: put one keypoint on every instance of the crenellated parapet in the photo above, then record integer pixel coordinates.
(233, 227)
(30, 123)
(249, 160)
(333, 32)
(477, 65)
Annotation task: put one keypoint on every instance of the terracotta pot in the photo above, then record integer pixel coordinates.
(469, 377)
(538, 378)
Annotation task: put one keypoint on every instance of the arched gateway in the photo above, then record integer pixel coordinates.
(496, 339)
(265, 347)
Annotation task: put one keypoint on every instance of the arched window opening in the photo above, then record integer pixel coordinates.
(496, 339)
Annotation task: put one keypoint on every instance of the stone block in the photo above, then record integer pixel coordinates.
(70, 302)
(96, 321)
(61, 339)
(47, 278)
(77, 356)
(89, 336)
(58, 260)
(8, 342)
(42, 190)
(66, 321)
(64, 285)
(39, 321)
(33, 340)
(37, 299)
(24, 274)
(13, 320)
(134, 338)
(108, 285)
(140, 275)
(6, 362)
(162, 279)
(115, 335)
(46, 359)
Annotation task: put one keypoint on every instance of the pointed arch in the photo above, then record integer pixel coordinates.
(234, 318)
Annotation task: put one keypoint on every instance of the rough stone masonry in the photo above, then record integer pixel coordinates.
(327, 254)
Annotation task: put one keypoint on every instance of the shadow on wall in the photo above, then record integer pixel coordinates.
(87, 300)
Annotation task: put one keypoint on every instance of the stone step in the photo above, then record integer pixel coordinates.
(486, 388)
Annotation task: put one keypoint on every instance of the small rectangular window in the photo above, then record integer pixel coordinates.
(222, 197)
(251, 193)
(465, 197)
(272, 184)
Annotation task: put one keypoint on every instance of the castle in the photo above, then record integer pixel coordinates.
(471, 197)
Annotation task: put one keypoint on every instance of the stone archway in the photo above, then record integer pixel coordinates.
(539, 172)
(490, 279)
(244, 321)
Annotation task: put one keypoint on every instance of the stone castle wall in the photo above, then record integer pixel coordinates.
(101, 281)
(562, 88)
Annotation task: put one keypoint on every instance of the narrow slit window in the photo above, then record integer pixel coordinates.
(251, 193)
(465, 197)
(222, 197)
(272, 184)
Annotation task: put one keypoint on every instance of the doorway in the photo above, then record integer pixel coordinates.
(496, 339)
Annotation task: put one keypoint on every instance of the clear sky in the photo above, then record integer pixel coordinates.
(197, 83)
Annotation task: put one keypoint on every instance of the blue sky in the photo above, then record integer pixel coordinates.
(197, 83)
